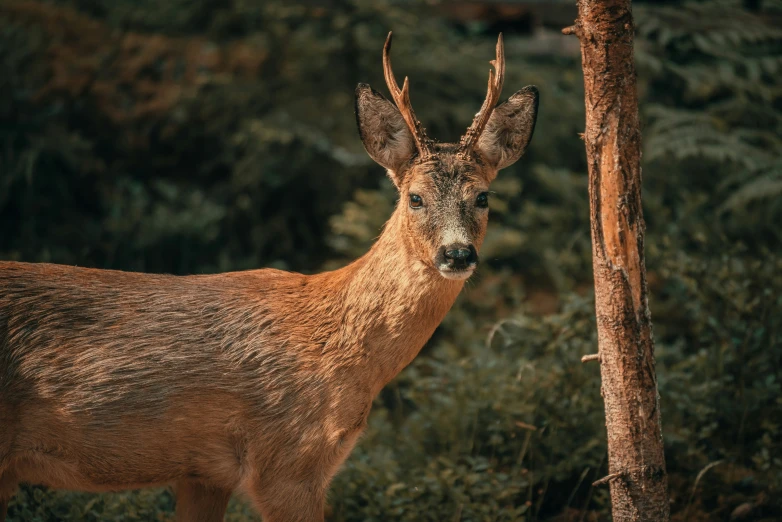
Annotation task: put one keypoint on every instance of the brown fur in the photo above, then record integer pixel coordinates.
(257, 381)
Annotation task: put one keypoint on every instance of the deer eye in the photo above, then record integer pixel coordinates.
(482, 201)
(416, 201)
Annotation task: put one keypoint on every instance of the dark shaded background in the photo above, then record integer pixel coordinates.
(196, 136)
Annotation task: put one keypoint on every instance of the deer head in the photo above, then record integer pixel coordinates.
(443, 187)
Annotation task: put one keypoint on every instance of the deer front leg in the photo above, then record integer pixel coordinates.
(197, 502)
(290, 501)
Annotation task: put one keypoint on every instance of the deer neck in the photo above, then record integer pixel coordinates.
(390, 303)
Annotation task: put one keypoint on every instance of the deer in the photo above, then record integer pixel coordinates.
(256, 382)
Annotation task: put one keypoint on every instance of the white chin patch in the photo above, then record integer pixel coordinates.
(456, 274)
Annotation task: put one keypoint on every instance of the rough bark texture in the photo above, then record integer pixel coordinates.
(637, 474)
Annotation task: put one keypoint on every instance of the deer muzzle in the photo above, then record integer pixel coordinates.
(456, 261)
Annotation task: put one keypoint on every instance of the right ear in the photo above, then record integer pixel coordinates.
(510, 128)
(383, 130)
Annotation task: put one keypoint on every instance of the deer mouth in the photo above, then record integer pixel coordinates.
(456, 274)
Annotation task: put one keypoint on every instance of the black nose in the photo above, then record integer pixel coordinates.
(459, 256)
(457, 252)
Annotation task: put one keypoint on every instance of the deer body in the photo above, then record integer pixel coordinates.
(258, 381)
(231, 377)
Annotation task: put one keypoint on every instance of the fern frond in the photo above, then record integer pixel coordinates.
(684, 135)
(760, 189)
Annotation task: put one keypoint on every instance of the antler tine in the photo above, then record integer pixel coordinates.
(494, 90)
(402, 100)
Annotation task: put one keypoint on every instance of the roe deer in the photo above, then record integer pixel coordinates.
(258, 381)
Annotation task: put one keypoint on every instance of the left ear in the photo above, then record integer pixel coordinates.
(510, 128)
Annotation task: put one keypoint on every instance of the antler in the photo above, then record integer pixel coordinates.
(402, 100)
(473, 134)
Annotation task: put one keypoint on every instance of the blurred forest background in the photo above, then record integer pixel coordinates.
(196, 136)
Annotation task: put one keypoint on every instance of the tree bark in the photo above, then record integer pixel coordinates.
(637, 474)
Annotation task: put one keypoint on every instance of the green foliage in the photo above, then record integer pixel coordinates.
(35, 504)
(715, 107)
(256, 162)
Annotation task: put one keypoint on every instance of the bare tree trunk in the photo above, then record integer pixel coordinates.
(637, 475)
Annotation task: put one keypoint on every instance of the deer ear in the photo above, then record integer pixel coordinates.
(510, 128)
(385, 134)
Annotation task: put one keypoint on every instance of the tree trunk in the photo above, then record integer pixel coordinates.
(637, 475)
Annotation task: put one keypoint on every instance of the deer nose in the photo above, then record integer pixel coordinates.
(457, 252)
(460, 256)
